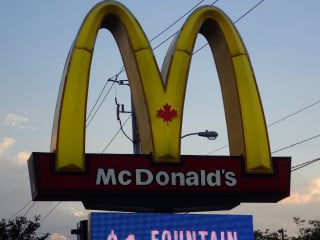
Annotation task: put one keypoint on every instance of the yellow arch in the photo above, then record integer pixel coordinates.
(150, 92)
(68, 135)
(246, 125)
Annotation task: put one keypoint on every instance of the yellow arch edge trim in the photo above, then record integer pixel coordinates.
(150, 93)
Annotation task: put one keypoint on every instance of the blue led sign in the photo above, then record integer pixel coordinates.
(147, 226)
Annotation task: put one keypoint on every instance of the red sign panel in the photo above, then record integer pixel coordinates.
(135, 183)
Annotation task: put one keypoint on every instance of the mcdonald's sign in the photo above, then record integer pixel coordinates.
(160, 179)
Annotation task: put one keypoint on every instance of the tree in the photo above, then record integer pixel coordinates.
(306, 231)
(309, 232)
(20, 228)
(267, 235)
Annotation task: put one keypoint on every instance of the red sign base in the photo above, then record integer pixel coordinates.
(122, 182)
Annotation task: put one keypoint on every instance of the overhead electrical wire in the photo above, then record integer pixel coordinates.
(176, 21)
(93, 113)
(158, 35)
(97, 109)
(48, 214)
(122, 68)
(294, 113)
(278, 121)
(96, 102)
(116, 134)
(173, 34)
(29, 208)
(297, 143)
(249, 11)
(295, 168)
(304, 164)
(213, 3)
(236, 21)
(20, 210)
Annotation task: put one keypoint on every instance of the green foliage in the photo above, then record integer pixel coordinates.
(306, 231)
(20, 228)
(267, 235)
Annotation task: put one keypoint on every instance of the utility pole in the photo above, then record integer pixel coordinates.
(135, 131)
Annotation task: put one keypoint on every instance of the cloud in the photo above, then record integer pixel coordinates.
(15, 120)
(312, 195)
(22, 157)
(57, 236)
(78, 213)
(6, 143)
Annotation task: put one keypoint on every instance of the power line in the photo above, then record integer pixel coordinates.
(236, 21)
(302, 165)
(20, 210)
(104, 98)
(116, 134)
(97, 100)
(277, 121)
(116, 75)
(157, 46)
(168, 38)
(214, 2)
(297, 143)
(31, 206)
(294, 113)
(91, 111)
(176, 21)
(92, 114)
(28, 210)
(48, 214)
(279, 150)
(294, 168)
(163, 42)
(122, 68)
(249, 11)
(121, 128)
(173, 34)
(218, 149)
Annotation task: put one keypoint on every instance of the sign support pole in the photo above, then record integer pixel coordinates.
(135, 131)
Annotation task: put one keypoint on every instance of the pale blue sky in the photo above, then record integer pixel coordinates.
(282, 38)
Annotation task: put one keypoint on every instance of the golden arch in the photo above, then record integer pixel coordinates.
(151, 89)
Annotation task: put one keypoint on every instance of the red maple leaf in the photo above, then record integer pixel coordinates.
(166, 113)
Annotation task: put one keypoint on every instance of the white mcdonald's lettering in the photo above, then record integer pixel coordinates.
(145, 177)
(110, 177)
(153, 91)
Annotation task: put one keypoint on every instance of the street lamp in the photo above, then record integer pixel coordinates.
(211, 135)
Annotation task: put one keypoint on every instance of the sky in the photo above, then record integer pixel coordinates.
(282, 39)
